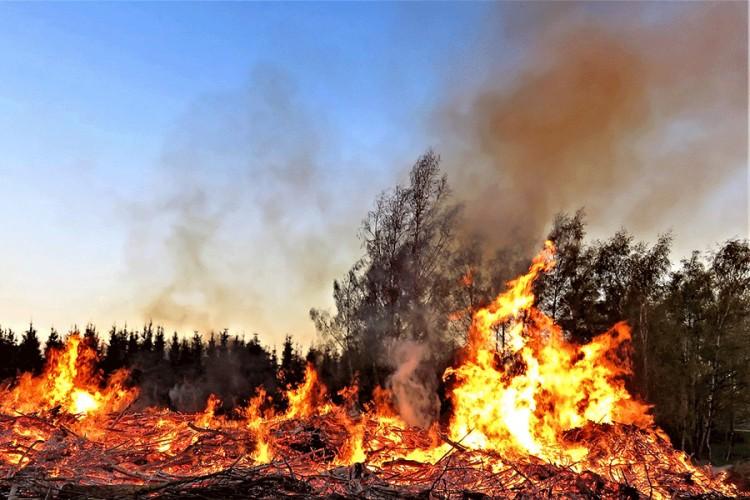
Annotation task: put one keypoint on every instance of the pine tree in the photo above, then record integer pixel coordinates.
(91, 339)
(54, 342)
(132, 347)
(159, 343)
(115, 354)
(292, 365)
(29, 354)
(147, 339)
(196, 349)
(174, 350)
(8, 353)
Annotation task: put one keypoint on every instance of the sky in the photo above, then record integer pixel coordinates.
(206, 164)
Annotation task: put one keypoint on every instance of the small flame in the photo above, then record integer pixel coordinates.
(308, 398)
(206, 418)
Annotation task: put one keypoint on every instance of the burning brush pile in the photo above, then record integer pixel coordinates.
(540, 418)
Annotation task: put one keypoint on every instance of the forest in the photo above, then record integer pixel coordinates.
(408, 301)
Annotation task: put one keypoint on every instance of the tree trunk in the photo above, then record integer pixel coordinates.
(643, 331)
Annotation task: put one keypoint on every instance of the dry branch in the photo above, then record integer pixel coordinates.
(134, 456)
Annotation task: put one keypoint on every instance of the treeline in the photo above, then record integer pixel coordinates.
(409, 300)
(177, 372)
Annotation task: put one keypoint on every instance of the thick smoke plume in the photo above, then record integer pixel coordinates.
(636, 111)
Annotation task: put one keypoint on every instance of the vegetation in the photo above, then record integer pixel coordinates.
(421, 277)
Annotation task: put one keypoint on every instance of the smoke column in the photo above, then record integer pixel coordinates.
(638, 114)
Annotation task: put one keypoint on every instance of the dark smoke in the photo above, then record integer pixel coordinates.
(636, 111)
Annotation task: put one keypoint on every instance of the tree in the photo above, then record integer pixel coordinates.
(292, 365)
(649, 268)
(91, 339)
(132, 346)
(8, 353)
(196, 348)
(174, 350)
(147, 338)
(53, 343)
(701, 348)
(727, 347)
(211, 347)
(159, 343)
(400, 290)
(567, 293)
(116, 353)
(29, 354)
(342, 328)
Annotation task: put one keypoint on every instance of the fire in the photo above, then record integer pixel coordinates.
(530, 410)
(206, 418)
(304, 400)
(69, 382)
(83, 402)
(256, 418)
(520, 400)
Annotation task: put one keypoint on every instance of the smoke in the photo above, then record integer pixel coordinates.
(636, 111)
(413, 384)
(228, 379)
(249, 215)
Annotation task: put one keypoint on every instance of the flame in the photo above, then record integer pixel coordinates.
(308, 398)
(83, 402)
(68, 382)
(531, 397)
(164, 445)
(206, 418)
(521, 400)
(256, 420)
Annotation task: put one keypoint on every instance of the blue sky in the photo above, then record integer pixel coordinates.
(100, 104)
(90, 95)
(120, 74)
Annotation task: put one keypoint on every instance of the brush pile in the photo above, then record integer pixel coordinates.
(169, 455)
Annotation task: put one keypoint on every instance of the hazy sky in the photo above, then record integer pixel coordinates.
(207, 164)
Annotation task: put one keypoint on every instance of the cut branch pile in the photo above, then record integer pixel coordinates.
(168, 455)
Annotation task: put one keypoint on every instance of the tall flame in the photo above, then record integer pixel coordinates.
(519, 400)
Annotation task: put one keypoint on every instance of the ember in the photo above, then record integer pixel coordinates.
(535, 417)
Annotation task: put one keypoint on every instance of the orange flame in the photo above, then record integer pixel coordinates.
(68, 382)
(522, 402)
(256, 420)
(308, 398)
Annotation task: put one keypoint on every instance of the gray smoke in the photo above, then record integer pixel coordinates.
(413, 384)
(251, 215)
